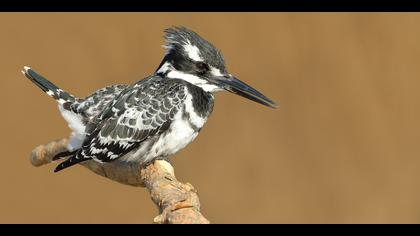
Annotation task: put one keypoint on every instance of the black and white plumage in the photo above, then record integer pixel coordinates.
(153, 118)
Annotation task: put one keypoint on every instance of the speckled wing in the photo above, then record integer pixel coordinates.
(138, 113)
(95, 103)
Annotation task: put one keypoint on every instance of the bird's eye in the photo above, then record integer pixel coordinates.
(202, 67)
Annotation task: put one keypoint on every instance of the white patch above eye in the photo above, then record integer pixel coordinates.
(193, 52)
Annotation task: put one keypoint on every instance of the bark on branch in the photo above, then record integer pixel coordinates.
(177, 202)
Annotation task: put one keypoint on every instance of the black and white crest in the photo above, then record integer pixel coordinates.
(184, 46)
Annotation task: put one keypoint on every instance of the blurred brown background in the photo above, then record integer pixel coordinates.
(341, 148)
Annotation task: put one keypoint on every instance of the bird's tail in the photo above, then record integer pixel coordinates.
(49, 88)
(74, 159)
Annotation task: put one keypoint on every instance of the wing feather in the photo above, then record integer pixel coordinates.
(137, 114)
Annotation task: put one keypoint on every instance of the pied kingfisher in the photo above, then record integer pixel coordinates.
(154, 117)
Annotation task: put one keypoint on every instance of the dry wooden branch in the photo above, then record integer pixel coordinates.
(178, 203)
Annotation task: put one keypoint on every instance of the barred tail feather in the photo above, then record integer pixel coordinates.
(69, 162)
(49, 88)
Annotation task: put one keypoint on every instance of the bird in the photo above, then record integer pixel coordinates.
(153, 118)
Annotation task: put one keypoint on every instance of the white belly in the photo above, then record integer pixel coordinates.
(179, 135)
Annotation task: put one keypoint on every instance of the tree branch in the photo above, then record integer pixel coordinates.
(177, 202)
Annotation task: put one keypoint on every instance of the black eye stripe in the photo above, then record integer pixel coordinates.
(202, 66)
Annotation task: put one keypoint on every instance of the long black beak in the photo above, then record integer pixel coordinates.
(233, 85)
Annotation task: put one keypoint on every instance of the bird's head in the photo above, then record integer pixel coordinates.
(191, 58)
